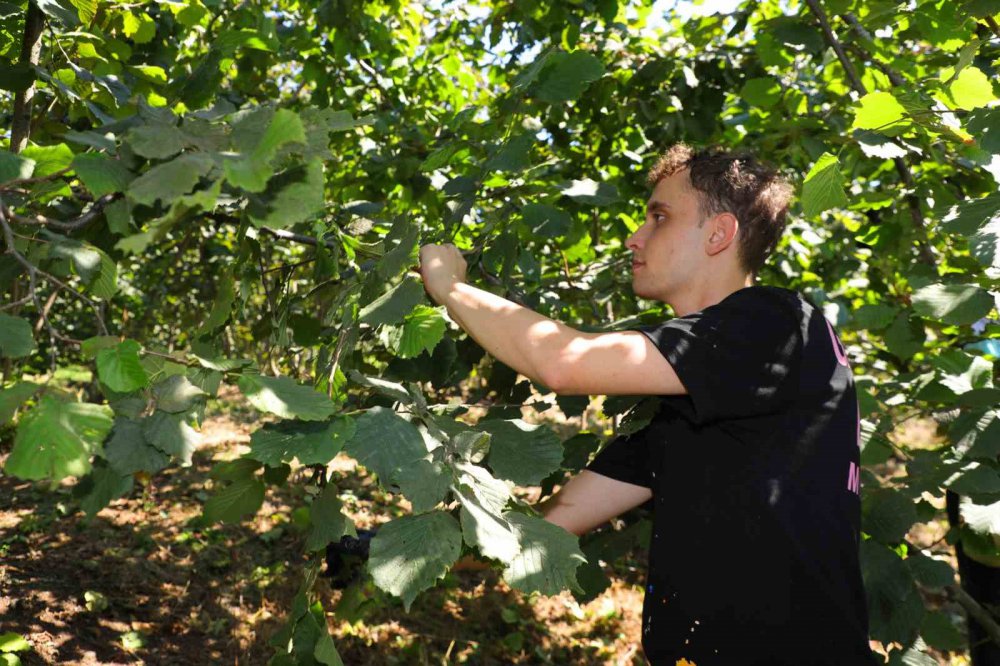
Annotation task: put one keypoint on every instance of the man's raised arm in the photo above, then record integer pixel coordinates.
(568, 361)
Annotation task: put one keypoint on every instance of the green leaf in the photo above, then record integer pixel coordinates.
(567, 75)
(985, 244)
(230, 504)
(512, 155)
(410, 553)
(548, 557)
(286, 397)
(977, 478)
(106, 485)
(895, 607)
(546, 220)
(16, 338)
(16, 78)
(48, 159)
(291, 197)
(222, 306)
(823, 187)
(384, 442)
(57, 439)
(327, 520)
(425, 483)
(404, 254)
(940, 632)
(171, 434)
(13, 397)
(522, 452)
(971, 89)
(128, 452)
(878, 111)
(101, 174)
(983, 124)
(957, 304)
(487, 529)
(313, 443)
(14, 167)
(86, 10)
(176, 394)
(763, 92)
(887, 515)
(156, 141)
(325, 652)
(422, 329)
(11, 642)
(590, 192)
(252, 171)
(170, 180)
(969, 216)
(393, 306)
(120, 368)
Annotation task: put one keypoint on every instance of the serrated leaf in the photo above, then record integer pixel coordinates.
(171, 434)
(57, 439)
(983, 124)
(957, 304)
(16, 338)
(823, 187)
(763, 92)
(878, 111)
(546, 220)
(422, 329)
(512, 155)
(403, 254)
(894, 603)
(231, 503)
(393, 306)
(176, 394)
(548, 557)
(410, 553)
(222, 306)
(101, 174)
(12, 397)
(384, 442)
(106, 486)
(971, 89)
(590, 192)
(969, 216)
(522, 452)
(567, 75)
(120, 369)
(14, 167)
(291, 197)
(985, 244)
(156, 141)
(887, 514)
(286, 397)
(128, 452)
(327, 520)
(425, 483)
(487, 530)
(170, 180)
(313, 443)
(252, 171)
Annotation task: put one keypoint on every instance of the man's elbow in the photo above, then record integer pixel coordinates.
(560, 381)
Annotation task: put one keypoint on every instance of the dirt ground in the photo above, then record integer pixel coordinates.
(146, 581)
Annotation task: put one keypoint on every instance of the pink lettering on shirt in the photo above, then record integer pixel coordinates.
(838, 349)
(854, 479)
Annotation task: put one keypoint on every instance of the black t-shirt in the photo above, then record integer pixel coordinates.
(755, 480)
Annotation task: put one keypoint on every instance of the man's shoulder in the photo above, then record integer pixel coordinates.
(780, 299)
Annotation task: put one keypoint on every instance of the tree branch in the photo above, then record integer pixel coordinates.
(34, 272)
(72, 225)
(913, 202)
(983, 617)
(31, 48)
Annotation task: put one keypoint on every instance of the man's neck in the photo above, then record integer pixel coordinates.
(709, 293)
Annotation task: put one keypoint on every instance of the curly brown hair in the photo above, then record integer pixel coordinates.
(738, 183)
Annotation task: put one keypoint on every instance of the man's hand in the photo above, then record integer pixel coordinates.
(441, 266)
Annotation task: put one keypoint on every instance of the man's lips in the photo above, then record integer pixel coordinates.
(637, 264)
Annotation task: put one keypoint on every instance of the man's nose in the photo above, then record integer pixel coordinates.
(634, 241)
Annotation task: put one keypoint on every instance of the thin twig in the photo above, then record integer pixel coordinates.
(913, 202)
(71, 225)
(34, 272)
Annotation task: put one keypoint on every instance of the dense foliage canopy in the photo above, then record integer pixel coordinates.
(198, 192)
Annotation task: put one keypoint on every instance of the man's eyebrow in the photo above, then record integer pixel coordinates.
(656, 205)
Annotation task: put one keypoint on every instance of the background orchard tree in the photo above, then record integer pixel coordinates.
(197, 192)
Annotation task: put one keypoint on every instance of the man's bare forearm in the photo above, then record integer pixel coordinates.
(528, 342)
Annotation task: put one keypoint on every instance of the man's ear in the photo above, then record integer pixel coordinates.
(723, 229)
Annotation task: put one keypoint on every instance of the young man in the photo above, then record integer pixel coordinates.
(753, 459)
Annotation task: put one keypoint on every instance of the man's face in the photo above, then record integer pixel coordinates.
(669, 248)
